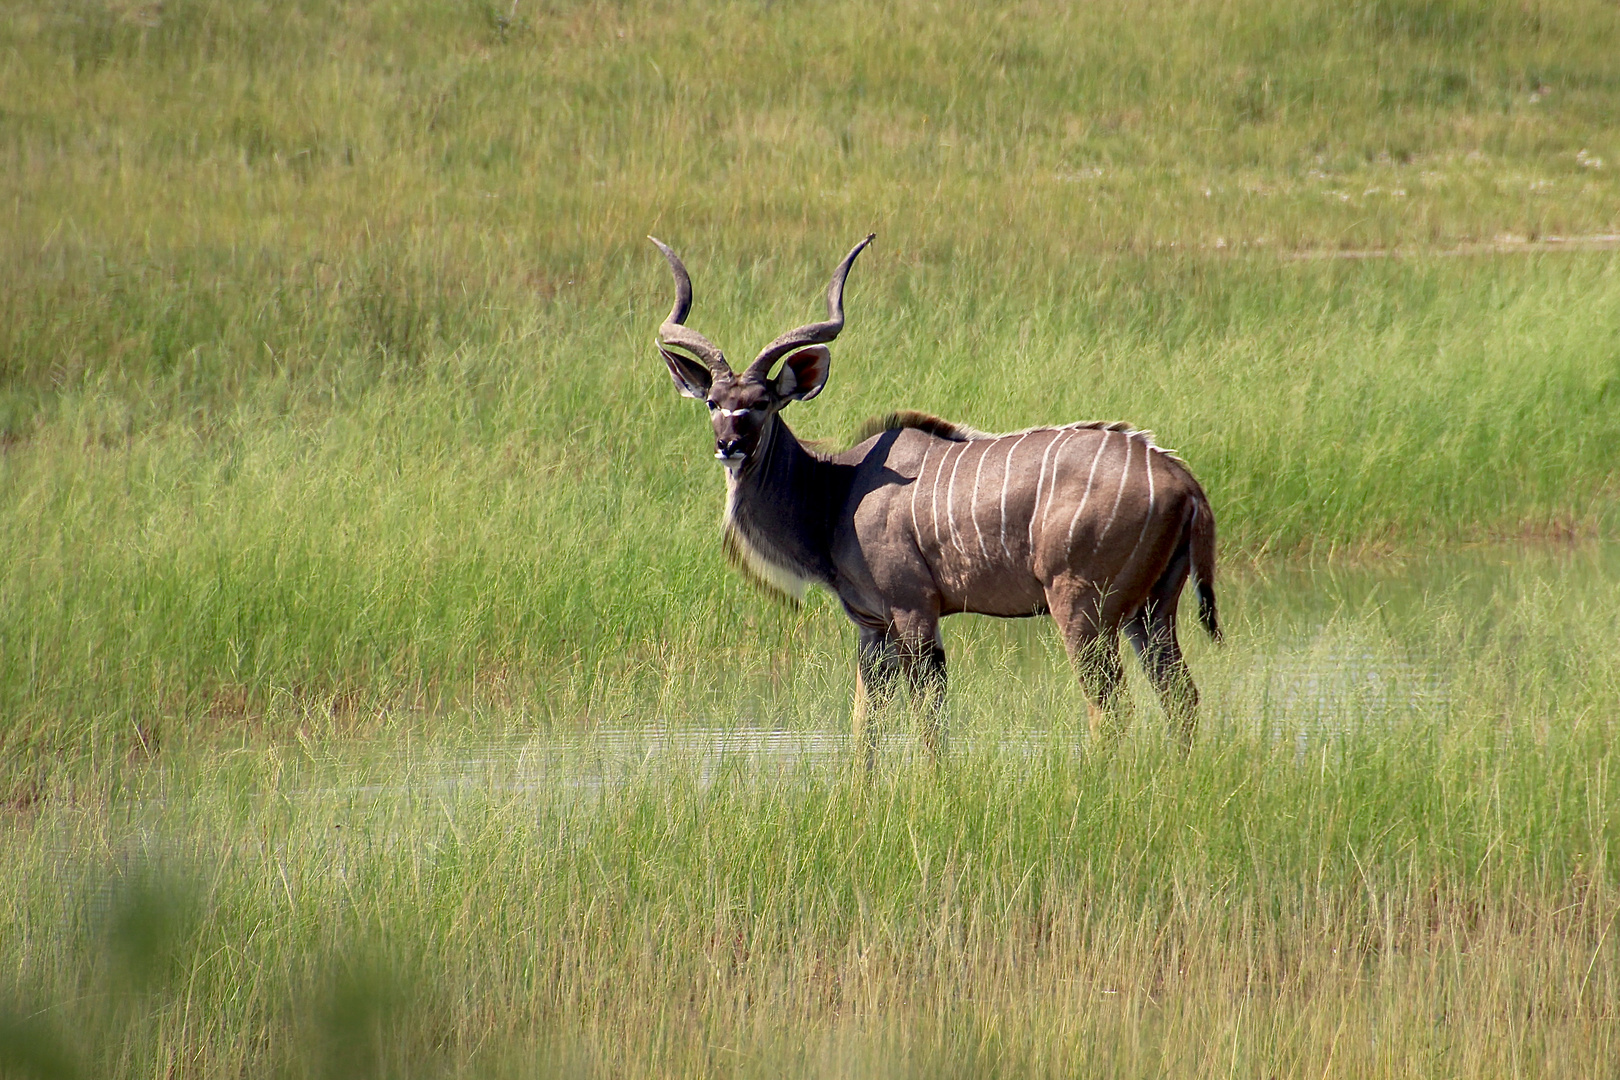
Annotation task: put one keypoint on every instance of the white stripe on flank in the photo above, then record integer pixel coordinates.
(1124, 477)
(1090, 478)
(1005, 475)
(1051, 490)
(1147, 461)
(915, 484)
(950, 499)
(934, 509)
(984, 452)
(1040, 481)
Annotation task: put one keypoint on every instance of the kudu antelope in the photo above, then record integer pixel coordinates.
(1090, 522)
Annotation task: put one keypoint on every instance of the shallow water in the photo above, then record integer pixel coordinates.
(1388, 636)
(1312, 652)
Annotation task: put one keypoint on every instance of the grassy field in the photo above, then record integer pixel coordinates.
(1424, 889)
(332, 444)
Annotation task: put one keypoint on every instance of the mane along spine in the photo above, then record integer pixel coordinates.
(909, 418)
(954, 432)
(1141, 435)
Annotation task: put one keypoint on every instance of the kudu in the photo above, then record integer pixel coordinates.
(1090, 522)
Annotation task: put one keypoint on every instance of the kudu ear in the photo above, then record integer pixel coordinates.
(692, 379)
(804, 373)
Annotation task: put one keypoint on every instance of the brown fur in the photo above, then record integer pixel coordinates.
(950, 429)
(910, 418)
(1023, 537)
(737, 552)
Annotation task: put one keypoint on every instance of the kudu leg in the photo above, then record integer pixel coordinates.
(1153, 634)
(925, 671)
(1093, 647)
(877, 664)
(922, 658)
(1103, 678)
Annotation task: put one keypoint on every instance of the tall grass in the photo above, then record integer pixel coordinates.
(537, 513)
(333, 454)
(1435, 898)
(324, 373)
(1355, 878)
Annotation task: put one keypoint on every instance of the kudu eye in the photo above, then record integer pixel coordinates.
(713, 405)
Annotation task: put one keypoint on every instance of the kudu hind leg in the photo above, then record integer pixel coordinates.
(1093, 648)
(1152, 632)
(1102, 676)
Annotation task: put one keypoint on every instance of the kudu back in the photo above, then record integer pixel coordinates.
(1090, 522)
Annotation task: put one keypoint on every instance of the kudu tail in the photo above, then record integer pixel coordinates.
(1202, 528)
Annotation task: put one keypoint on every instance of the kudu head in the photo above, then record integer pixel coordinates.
(742, 406)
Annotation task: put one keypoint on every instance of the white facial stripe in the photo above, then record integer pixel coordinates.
(734, 412)
(1090, 478)
(1006, 474)
(984, 452)
(1124, 478)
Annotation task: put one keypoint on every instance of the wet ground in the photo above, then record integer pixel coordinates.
(1313, 651)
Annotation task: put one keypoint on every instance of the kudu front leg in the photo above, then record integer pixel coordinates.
(922, 656)
(925, 671)
(877, 667)
(882, 656)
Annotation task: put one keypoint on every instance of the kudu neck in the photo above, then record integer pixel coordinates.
(788, 499)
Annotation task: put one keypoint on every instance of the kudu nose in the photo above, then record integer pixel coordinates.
(726, 448)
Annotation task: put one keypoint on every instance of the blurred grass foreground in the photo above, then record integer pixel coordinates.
(334, 456)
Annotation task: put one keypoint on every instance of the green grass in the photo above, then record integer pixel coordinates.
(1436, 898)
(1345, 877)
(332, 443)
(324, 362)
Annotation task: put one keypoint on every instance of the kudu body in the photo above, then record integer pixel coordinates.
(1090, 522)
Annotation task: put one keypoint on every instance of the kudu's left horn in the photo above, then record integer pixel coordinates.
(814, 333)
(673, 333)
